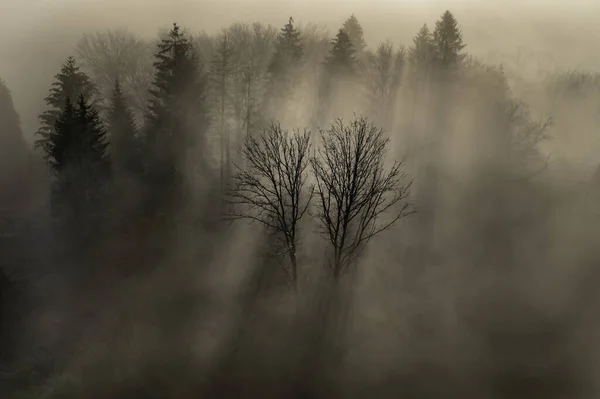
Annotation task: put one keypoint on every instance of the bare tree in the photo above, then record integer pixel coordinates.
(355, 190)
(272, 188)
(383, 77)
(118, 54)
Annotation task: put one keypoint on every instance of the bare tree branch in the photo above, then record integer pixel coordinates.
(272, 189)
(355, 190)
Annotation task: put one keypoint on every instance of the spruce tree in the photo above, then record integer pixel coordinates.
(123, 132)
(76, 151)
(176, 118)
(341, 60)
(69, 83)
(422, 52)
(448, 43)
(78, 142)
(355, 31)
(288, 50)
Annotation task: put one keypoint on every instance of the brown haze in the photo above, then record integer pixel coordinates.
(502, 306)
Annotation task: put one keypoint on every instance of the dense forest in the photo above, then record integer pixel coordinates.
(272, 211)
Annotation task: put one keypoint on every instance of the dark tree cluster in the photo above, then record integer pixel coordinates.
(151, 147)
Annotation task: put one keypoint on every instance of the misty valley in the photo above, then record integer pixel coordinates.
(283, 211)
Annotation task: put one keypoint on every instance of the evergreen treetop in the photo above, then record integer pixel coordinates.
(422, 52)
(78, 142)
(70, 83)
(355, 31)
(341, 55)
(288, 48)
(448, 42)
(176, 117)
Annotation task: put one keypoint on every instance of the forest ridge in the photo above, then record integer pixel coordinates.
(286, 213)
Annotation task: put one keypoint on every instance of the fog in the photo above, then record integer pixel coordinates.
(172, 280)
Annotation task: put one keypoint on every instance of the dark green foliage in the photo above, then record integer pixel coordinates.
(122, 131)
(176, 118)
(341, 61)
(70, 83)
(355, 32)
(447, 39)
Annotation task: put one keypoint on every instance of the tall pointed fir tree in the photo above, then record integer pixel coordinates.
(285, 64)
(339, 72)
(448, 42)
(124, 143)
(176, 119)
(70, 83)
(422, 52)
(76, 150)
(288, 50)
(355, 32)
(341, 60)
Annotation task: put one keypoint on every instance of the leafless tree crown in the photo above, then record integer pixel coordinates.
(355, 189)
(272, 187)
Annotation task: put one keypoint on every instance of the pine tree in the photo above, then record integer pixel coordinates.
(448, 43)
(76, 151)
(354, 30)
(70, 83)
(176, 118)
(422, 52)
(288, 50)
(78, 142)
(123, 132)
(341, 61)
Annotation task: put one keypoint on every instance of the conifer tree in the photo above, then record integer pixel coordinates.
(123, 132)
(176, 118)
(70, 83)
(76, 151)
(78, 142)
(288, 50)
(422, 52)
(448, 43)
(341, 61)
(355, 32)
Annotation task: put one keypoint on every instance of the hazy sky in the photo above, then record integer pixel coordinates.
(42, 32)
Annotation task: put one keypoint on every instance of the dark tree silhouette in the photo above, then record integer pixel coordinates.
(272, 189)
(177, 116)
(448, 42)
(77, 155)
(422, 52)
(288, 50)
(341, 60)
(355, 190)
(355, 32)
(70, 83)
